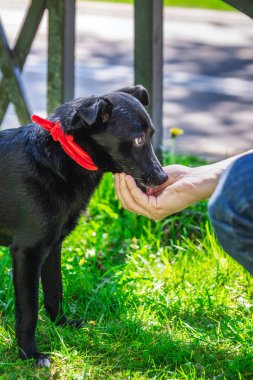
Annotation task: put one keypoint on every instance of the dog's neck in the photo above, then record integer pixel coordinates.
(54, 159)
(67, 142)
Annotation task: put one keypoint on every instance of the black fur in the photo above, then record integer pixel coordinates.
(43, 192)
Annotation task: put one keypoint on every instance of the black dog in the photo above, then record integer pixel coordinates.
(43, 192)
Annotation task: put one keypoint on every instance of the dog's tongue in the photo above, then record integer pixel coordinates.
(150, 190)
(154, 190)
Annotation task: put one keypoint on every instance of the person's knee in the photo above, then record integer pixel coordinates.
(233, 197)
(231, 211)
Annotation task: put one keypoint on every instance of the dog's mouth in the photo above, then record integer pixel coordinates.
(148, 189)
(150, 184)
(156, 190)
(144, 188)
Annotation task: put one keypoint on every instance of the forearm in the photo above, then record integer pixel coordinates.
(218, 168)
(184, 187)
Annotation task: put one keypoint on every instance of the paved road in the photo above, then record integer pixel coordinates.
(208, 89)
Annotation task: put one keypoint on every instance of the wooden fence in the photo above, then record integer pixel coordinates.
(61, 43)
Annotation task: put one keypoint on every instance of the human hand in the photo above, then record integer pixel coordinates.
(184, 187)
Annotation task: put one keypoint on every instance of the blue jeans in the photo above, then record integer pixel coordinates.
(231, 211)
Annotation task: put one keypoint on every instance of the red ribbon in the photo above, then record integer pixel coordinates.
(67, 142)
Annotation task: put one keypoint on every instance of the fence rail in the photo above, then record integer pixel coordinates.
(61, 27)
(61, 43)
(245, 6)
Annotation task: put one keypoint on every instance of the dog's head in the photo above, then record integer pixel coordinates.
(116, 131)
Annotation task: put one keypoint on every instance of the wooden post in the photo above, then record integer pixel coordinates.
(148, 55)
(11, 86)
(61, 55)
(245, 6)
(61, 52)
(14, 90)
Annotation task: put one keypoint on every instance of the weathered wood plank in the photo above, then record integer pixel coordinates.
(61, 48)
(149, 59)
(14, 89)
(28, 31)
(245, 6)
(21, 49)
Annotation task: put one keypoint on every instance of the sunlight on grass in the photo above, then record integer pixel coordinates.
(167, 302)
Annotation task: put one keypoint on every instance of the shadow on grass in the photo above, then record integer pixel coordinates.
(129, 345)
(183, 342)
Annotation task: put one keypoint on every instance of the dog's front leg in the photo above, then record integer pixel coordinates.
(51, 279)
(52, 287)
(26, 272)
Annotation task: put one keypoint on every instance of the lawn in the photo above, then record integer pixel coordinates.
(208, 4)
(161, 301)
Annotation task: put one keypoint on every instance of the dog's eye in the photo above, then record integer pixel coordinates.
(139, 140)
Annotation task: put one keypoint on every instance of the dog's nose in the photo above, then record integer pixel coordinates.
(161, 177)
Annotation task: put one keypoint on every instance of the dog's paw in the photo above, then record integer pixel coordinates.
(43, 361)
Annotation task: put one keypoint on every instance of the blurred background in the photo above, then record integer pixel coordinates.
(208, 67)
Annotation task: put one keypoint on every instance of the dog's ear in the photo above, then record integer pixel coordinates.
(139, 92)
(98, 110)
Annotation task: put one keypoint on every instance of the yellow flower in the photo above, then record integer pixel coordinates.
(82, 261)
(174, 132)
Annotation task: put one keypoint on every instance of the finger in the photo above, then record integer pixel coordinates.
(148, 203)
(125, 194)
(127, 198)
(116, 182)
(117, 189)
(138, 196)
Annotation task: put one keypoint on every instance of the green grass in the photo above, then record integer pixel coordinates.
(167, 302)
(208, 4)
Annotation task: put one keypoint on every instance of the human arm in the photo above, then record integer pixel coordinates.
(184, 187)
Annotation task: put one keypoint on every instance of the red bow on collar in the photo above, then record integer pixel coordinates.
(67, 142)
